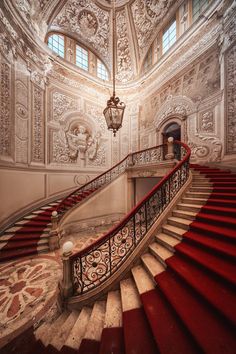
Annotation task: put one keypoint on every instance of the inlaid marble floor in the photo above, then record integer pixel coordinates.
(28, 288)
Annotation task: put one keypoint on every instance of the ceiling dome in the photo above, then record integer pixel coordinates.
(89, 22)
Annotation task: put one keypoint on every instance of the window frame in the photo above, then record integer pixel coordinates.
(64, 43)
(107, 73)
(165, 29)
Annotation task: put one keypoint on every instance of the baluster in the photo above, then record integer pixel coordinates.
(81, 275)
(110, 263)
(134, 226)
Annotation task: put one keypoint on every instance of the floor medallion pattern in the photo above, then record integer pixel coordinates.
(26, 287)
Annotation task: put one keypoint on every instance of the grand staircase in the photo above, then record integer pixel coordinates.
(179, 299)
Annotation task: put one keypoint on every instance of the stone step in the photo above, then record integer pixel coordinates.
(63, 332)
(43, 248)
(113, 316)
(194, 200)
(201, 184)
(189, 207)
(160, 252)
(129, 295)
(167, 241)
(8, 237)
(174, 231)
(78, 331)
(96, 321)
(179, 222)
(197, 195)
(53, 329)
(142, 278)
(190, 215)
(152, 265)
(200, 189)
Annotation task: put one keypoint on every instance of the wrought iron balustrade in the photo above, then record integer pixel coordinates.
(147, 156)
(96, 263)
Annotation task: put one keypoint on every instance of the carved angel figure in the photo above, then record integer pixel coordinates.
(77, 141)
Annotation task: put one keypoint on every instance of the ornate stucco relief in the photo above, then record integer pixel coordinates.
(96, 112)
(61, 103)
(89, 22)
(37, 145)
(21, 115)
(207, 122)
(230, 100)
(175, 106)
(6, 124)
(199, 80)
(146, 16)
(124, 63)
(205, 149)
(77, 146)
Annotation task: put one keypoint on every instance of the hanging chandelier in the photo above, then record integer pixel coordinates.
(114, 110)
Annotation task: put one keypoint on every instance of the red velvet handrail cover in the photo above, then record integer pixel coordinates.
(139, 205)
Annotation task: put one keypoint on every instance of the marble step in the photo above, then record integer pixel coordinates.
(152, 265)
(16, 229)
(78, 331)
(200, 189)
(189, 207)
(194, 200)
(185, 214)
(167, 241)
(160, 252)
(198, 194)
(63, 332)
(113, 316)
(204, 182)
(96, 322)
(174, 231)
(179, 222)
(52, 330)
(144, 282)
(129, 295)
(24, 223)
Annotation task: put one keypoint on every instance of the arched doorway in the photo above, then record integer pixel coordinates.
(173, 130)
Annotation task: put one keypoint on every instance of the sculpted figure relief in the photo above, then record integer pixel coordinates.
(82, 144)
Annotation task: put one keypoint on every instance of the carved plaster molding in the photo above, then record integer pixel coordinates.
(175, 106)
(89, 22)
(205, 149)
(37, 144)
(6, 123)
(230, 99)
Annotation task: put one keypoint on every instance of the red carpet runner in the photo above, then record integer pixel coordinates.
(193, 308)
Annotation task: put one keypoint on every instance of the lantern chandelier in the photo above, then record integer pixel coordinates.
(114, 110)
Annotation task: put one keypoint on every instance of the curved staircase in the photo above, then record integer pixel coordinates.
(30, 234)
(180, 298)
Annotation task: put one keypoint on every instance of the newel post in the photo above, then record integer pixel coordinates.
(67, 284)
(170, 149)
(54, 234)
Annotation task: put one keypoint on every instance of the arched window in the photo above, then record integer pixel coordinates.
(81, 58)
(101, 70)
(71, 50)
(56, 43)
